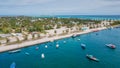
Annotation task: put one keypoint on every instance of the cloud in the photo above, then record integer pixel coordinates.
(22, 2)
(111, 0)
(58, 6)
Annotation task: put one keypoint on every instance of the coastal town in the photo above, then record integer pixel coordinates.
(25, 31)
(59, 33)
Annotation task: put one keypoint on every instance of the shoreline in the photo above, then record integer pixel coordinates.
(43, 40)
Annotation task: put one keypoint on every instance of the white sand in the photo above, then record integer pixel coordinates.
(32, 42)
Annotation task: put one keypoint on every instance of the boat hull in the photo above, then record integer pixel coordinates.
(93, 58)
(14, 51)
(111, 46)
(83, 46)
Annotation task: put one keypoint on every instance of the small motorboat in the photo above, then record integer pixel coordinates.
(42, 56)
(57, 46)
(91, 57)
(74, 35)
(15, 51)
(78, 39)
(46, 46)
(83, 46)
(13, 65)
(37, 48)
(64, 41)
(27, 53)
(112, 46)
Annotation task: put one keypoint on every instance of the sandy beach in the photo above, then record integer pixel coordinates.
(46, 39)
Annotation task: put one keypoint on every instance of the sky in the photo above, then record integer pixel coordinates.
(59, 7)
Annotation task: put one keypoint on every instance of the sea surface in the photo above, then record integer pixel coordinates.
(91, 17)
(69, 54)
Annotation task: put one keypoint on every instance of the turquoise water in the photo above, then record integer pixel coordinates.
(69, 54)
(92, 17)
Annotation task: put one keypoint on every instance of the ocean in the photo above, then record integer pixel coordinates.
(69, 54)
(91, 17)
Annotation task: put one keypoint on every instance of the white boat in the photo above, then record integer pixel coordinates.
(15, 51)
(112, 46)
(57, 45)
(46, 46)
(27, 53)
(83, 46)
(64, 41)
(78, 39)
(91, 57)
(74, 35)
(42, 56)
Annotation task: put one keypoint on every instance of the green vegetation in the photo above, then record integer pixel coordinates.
(37, 25)
(32, 24)
(116, 23)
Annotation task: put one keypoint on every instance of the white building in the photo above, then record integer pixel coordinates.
(29, 37)
(85, 28)
(105, 23)
(12, 39)
(3, 41)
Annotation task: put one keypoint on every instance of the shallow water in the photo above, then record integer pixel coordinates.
(69, 54)
(91, 17)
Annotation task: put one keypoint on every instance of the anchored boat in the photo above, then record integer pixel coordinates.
(27, 53)
(78, 39)
(37, 48)
(64, 41)
(57, 46)
(74, 35)
(15, 51)
(91, 57)
(42, 56)
(83, 46)
(112, 46)
(46, 46)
